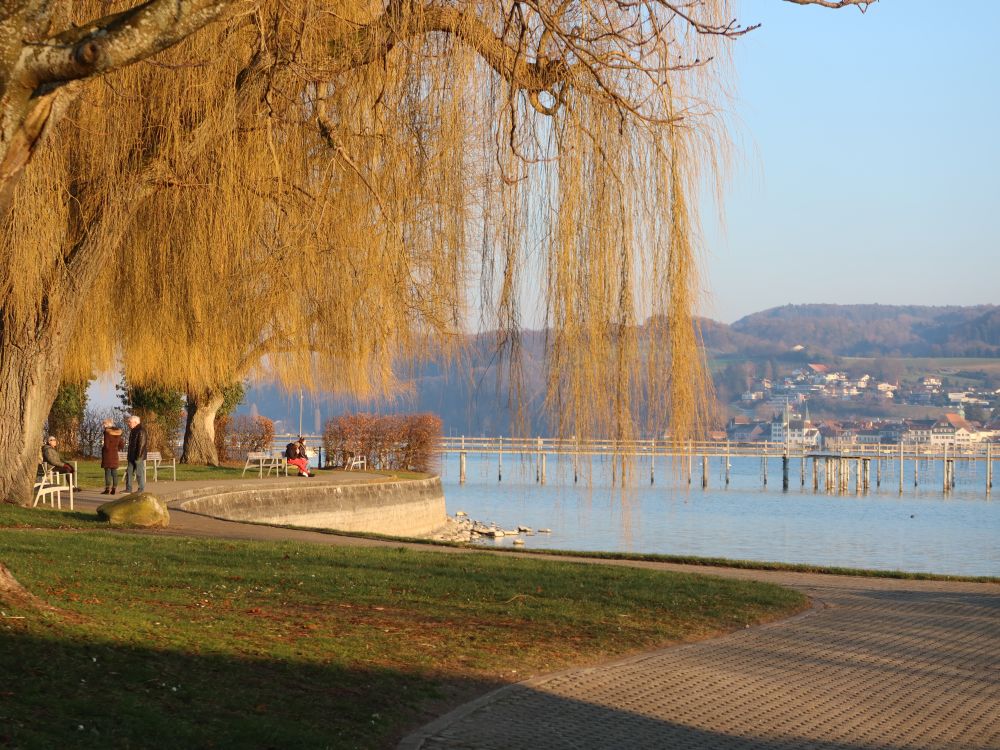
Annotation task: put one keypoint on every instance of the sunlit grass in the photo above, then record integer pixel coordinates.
(236, 644)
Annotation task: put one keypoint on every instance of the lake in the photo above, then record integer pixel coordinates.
(919, 531)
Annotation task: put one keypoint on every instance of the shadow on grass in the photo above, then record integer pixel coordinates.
(58, 692)
(102, 695)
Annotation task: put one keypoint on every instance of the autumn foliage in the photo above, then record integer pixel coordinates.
(401, 442)
(237, 436)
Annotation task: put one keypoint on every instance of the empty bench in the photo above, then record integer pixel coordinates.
(154, 459)
(158, 462)
(261, 460)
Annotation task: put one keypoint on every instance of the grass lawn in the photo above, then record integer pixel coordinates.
(91, 475)
(177, 642)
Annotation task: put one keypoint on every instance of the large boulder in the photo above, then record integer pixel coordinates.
(138, 509)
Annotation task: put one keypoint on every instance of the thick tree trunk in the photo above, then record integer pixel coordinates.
(29, 379)
(199, 434)
(14, 594)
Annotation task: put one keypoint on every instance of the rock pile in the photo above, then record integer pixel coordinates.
(461, 528)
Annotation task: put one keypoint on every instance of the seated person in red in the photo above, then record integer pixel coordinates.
(295, 453)
(51, 456)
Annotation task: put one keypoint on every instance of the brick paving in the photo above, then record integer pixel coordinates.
(877, 663)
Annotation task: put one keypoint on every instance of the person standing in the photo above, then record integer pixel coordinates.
(295, 454)
(137, 449)
(113, 442)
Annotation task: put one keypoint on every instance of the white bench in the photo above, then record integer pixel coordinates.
(263, 460)
(356, 461)
(50, 486)
(154, 458)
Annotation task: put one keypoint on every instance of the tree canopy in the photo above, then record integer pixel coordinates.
(327, 188)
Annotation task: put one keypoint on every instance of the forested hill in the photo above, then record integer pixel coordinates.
(863, 331)
(472, 400)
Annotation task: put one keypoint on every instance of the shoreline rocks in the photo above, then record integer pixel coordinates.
(460, 528)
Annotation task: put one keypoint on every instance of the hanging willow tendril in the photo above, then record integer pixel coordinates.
(318, 191)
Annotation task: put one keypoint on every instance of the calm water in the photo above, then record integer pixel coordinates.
(920, 531)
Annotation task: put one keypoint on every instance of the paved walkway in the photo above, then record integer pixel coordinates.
(877, 663)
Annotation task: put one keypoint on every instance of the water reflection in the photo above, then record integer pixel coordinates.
(920, 530)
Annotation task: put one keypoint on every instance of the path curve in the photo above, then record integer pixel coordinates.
(877, 663)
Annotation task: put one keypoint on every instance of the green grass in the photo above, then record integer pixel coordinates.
(12, 516)
(169, 641)
(91, 475)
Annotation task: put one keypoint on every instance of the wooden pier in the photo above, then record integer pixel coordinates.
(835, 471)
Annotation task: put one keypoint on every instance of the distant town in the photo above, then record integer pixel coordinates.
(968, 420)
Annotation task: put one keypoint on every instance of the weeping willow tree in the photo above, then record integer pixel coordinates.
(321, 189)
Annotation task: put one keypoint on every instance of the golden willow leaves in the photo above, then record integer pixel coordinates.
(319, 191)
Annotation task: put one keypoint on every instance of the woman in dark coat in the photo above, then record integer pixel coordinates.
(113, 442)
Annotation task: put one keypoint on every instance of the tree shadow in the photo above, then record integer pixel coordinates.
(59, 692)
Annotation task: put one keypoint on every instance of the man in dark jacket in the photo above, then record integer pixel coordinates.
(137, 449)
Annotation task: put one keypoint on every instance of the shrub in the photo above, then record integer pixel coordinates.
(92, 429)
(401, 442)
(245, 433)
(233, 395)
(66, 416)
(161, 410)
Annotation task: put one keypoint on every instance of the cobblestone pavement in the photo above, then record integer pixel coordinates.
(877, 663)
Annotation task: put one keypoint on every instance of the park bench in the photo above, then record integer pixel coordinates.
(49, 488)
(154, 458)
(261, 460)
(357, 461)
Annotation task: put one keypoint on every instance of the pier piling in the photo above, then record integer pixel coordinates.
(652, 459)
(989, 468)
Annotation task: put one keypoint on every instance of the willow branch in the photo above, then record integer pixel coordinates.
(374, 41)
(29, 86)
(112, 42)
(861, 4)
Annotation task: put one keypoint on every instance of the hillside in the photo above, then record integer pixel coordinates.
(471, 399)
(877, 330)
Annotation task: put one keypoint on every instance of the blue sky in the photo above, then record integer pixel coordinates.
(868, 163)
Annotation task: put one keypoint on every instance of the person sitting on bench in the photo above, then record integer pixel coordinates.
(51, 456)
(295, 453)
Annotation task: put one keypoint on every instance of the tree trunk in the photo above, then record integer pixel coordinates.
(29, 377)
(14, 594)
(199, 434)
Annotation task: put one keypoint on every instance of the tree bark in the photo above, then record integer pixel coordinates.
(14, 594)
(34, 68)
(199, 434)
(32, 349)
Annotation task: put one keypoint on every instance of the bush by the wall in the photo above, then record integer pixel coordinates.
(245, 433)
(403, 442)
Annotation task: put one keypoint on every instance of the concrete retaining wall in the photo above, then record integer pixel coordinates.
(400, 508)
